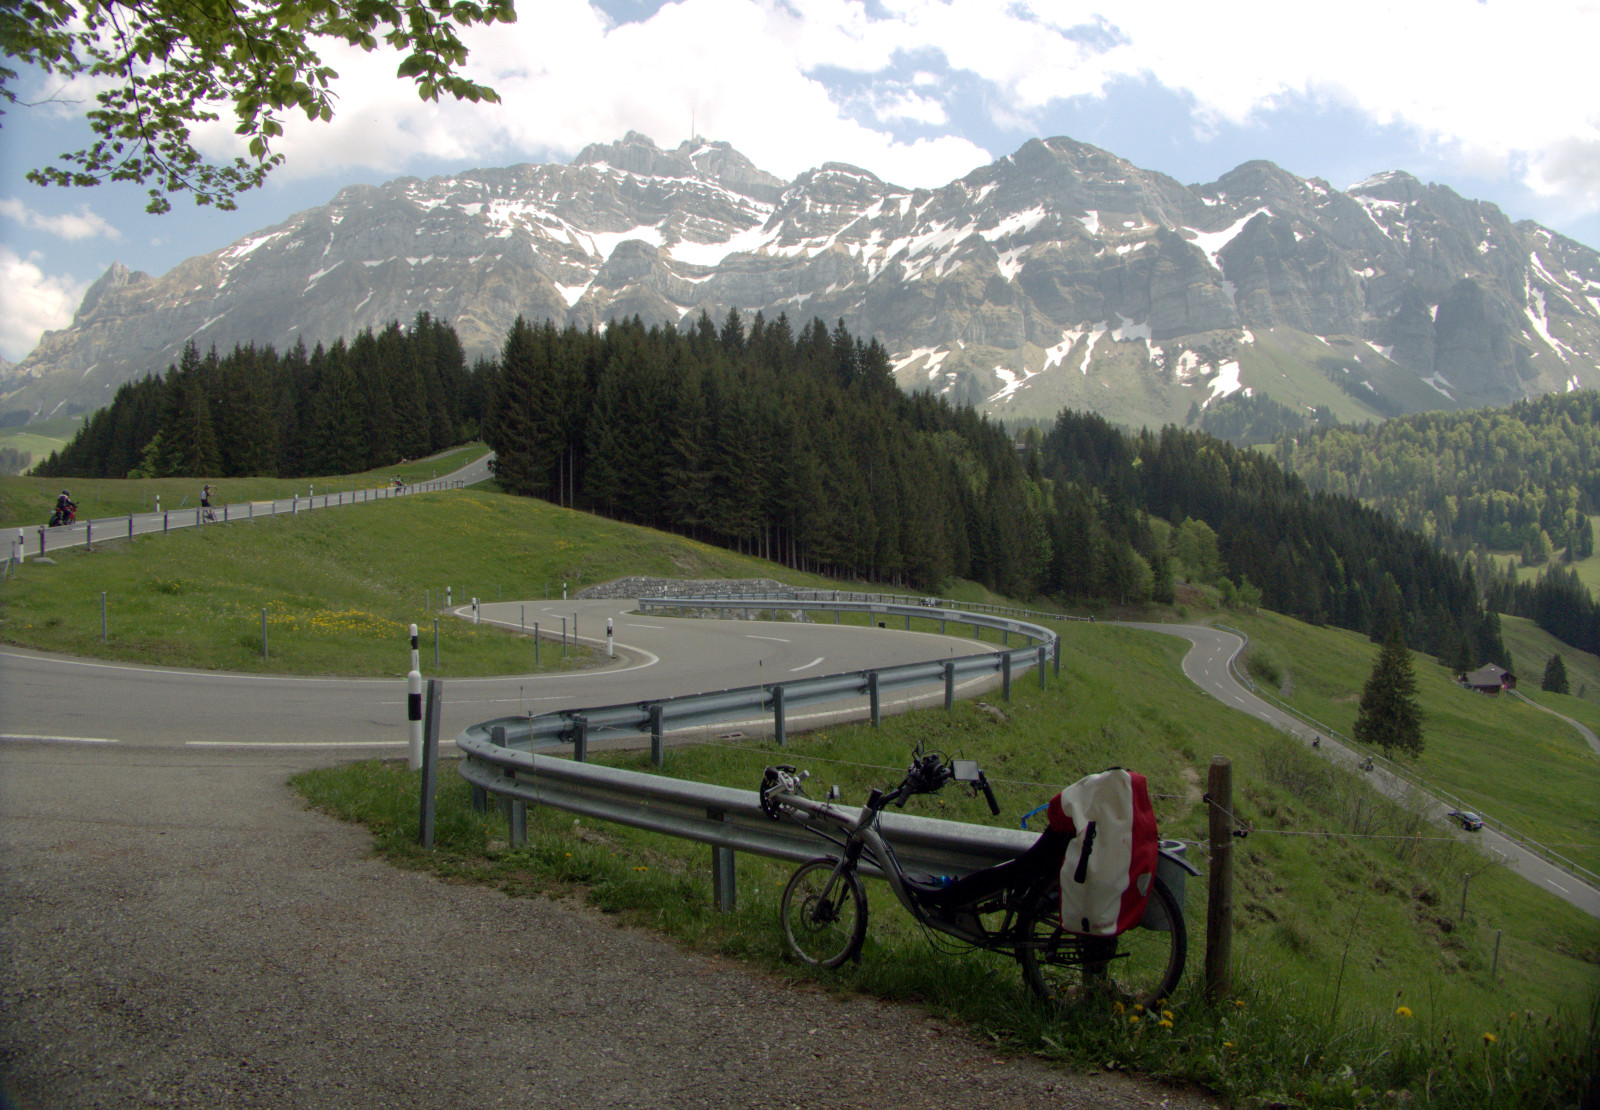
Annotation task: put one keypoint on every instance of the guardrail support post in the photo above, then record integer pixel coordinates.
(724, 877)
(580, 739)
(88, 535)
(658, 754)
(519, 824)
(430, 760)
(1219, 901)
(872, 695)
(1005, 638)
(1005, 675)
(1057, 666)
(949, 687)
(102, 616)
(908, 622)
(1041, 668)
(130, 526)
(779, 732)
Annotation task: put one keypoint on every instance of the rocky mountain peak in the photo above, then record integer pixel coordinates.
(117, 276)
(1060, 275)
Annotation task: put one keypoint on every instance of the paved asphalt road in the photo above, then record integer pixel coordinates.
(89, 702)
(1207, 665)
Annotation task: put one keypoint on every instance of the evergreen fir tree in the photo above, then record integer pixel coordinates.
(1555, 676)
(1389, 716)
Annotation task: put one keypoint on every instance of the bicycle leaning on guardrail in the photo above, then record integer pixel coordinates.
(1012, 907)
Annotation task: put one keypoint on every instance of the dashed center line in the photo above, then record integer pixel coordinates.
(773, 639)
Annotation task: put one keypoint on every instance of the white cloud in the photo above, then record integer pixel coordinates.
(1490, 84)
(82, 224)
(34, 303)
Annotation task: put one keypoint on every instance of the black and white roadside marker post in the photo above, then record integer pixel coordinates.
(611, 651)
(474, 610)
(414, 706)
(430, 760)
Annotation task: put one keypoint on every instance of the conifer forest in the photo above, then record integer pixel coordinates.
(799, 447)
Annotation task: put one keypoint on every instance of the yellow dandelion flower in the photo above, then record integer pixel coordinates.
(1119, 1006)
(1138, 1007)
(1239, 1002)
(1227, 1044)
(1133, 1019)
(1167, 1014)
(641, 869)
(1402, 1011)
(1489, 1038)
(1165, 1024)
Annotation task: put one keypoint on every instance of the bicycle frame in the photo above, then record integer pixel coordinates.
(862, 837)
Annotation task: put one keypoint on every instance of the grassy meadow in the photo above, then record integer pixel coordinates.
(42, 437)
(339, 587)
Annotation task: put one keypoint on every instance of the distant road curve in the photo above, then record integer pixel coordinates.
(1206, 664)
(1582, 730)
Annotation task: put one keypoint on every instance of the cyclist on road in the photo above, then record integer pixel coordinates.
(205, 501)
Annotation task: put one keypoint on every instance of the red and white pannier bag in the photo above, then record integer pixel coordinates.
(1111, 862)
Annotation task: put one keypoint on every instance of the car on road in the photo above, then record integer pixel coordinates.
(1467, 819)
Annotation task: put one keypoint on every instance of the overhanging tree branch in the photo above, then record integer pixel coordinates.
(171, 61)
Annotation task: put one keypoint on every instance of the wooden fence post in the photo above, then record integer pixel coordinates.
(1219, 902)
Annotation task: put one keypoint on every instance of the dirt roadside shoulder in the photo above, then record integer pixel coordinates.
(180, 931)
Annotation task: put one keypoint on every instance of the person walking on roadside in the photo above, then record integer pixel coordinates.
(205, 502)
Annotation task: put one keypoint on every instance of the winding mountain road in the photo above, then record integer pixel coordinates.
(1207, 665)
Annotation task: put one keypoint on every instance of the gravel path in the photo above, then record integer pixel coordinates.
(179, 931)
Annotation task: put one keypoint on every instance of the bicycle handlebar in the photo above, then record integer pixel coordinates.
(928, 774)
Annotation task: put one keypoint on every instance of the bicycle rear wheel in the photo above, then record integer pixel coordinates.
(824, 916)
(1141, 966)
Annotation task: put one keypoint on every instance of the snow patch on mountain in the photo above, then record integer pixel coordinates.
(1212, 242)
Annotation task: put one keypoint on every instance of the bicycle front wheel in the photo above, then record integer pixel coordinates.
(824, 915)
(1141, 966)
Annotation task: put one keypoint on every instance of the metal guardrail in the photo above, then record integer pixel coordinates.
(1405, 775)
(143, 523)
(502, 756)
(774, 700)
(730, 593)
(731, 820)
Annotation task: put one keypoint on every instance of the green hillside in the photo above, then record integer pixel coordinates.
(42, 437)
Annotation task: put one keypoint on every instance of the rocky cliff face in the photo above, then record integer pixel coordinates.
(1060, 275)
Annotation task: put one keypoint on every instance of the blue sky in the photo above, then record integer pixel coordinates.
(1489, 98)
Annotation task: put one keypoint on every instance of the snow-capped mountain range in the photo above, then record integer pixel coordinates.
(1058, 276)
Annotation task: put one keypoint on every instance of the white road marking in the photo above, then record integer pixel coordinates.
(655, 627)
(773, 639)
(1559, 887)
(295, 743)
(808, 666)
(61, 739)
